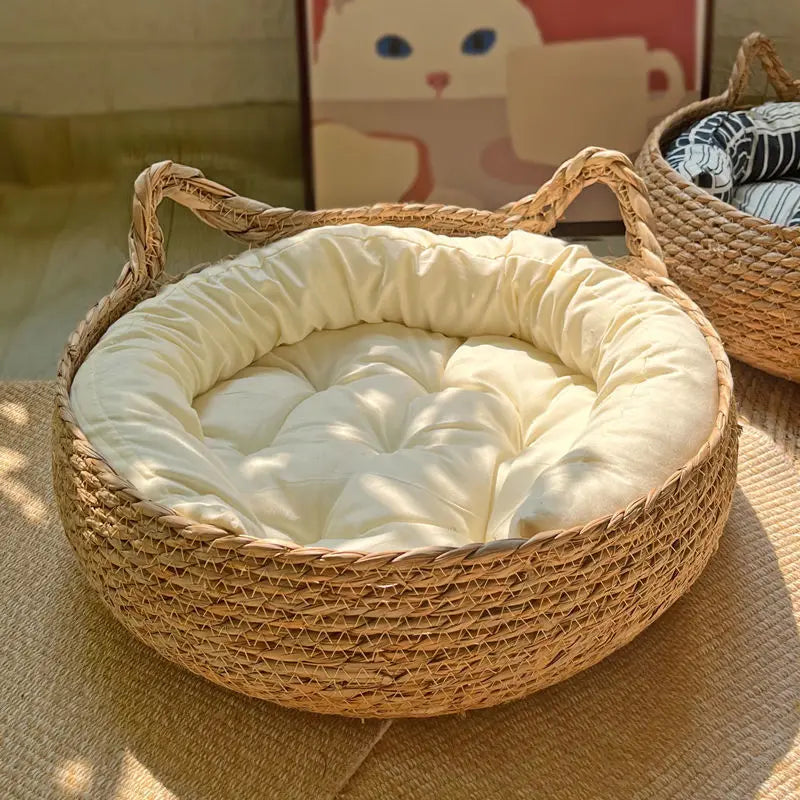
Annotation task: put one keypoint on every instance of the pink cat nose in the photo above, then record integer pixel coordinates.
(438, 81)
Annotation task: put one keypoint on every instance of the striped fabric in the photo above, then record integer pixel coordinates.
(750, 159)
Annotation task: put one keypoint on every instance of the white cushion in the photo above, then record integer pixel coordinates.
(251, 395)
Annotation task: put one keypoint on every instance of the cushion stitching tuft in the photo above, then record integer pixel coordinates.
(279, 429)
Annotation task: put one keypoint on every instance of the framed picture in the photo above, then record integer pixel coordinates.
(475, 103)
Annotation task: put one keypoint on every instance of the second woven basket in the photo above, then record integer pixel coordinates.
(743, 271)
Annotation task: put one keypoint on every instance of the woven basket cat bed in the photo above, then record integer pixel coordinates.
(743, 271)
(419, 631)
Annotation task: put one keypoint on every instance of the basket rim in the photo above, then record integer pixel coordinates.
(676, 123)
(429, 556)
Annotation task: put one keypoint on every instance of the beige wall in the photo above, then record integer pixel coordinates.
(95, 56)
(734, 19)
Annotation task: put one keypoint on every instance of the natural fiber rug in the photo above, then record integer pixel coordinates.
(705, 704)
(770, 404)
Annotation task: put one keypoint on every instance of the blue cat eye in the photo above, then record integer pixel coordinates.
(391, 46)
(478, 42)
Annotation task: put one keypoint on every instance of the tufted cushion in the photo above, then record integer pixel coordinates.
(372, 388)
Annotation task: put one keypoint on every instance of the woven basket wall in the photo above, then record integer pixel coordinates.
(429, 631)
(744, 272)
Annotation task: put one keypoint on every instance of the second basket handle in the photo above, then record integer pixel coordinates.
(218, 206)
(541, 211)
(757, 47)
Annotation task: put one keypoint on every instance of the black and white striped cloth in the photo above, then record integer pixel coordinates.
(750, 159)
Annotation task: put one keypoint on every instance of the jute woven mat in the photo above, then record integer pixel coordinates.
(705, 704)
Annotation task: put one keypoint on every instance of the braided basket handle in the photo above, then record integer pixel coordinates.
(218, 206)
(757, 47)
(246, 219)
(541, 211)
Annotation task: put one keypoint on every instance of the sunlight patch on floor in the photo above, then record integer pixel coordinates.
(74, 777)
(136, 782)
(27, 503)
(15, 413)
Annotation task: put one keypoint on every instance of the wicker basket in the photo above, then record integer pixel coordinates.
(417, 633)
(743, 271)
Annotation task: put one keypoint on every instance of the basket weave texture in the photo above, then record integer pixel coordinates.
(418, 633)
(743, 271)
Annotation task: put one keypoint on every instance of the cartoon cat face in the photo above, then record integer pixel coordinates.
(418, 49)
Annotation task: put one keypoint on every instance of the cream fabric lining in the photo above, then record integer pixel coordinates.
(494, 380)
